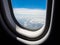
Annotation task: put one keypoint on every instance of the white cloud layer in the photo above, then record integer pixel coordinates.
(35, 15)
(27, 11)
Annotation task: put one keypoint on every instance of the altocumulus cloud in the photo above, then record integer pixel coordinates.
(36, 14)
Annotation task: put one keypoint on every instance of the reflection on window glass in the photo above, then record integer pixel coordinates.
(31, 14)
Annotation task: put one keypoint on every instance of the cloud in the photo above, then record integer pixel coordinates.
(27, 11)
(34, 15)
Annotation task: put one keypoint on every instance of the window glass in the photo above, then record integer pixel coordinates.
(31, 14)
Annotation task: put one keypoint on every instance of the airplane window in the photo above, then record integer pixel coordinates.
(35, 17)
(31, 14)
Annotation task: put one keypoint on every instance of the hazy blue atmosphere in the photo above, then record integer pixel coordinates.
(37, 4)
(30, 14)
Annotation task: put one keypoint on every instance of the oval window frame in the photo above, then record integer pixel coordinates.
(12, 29)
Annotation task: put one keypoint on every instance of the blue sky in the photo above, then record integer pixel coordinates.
(33, 4)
